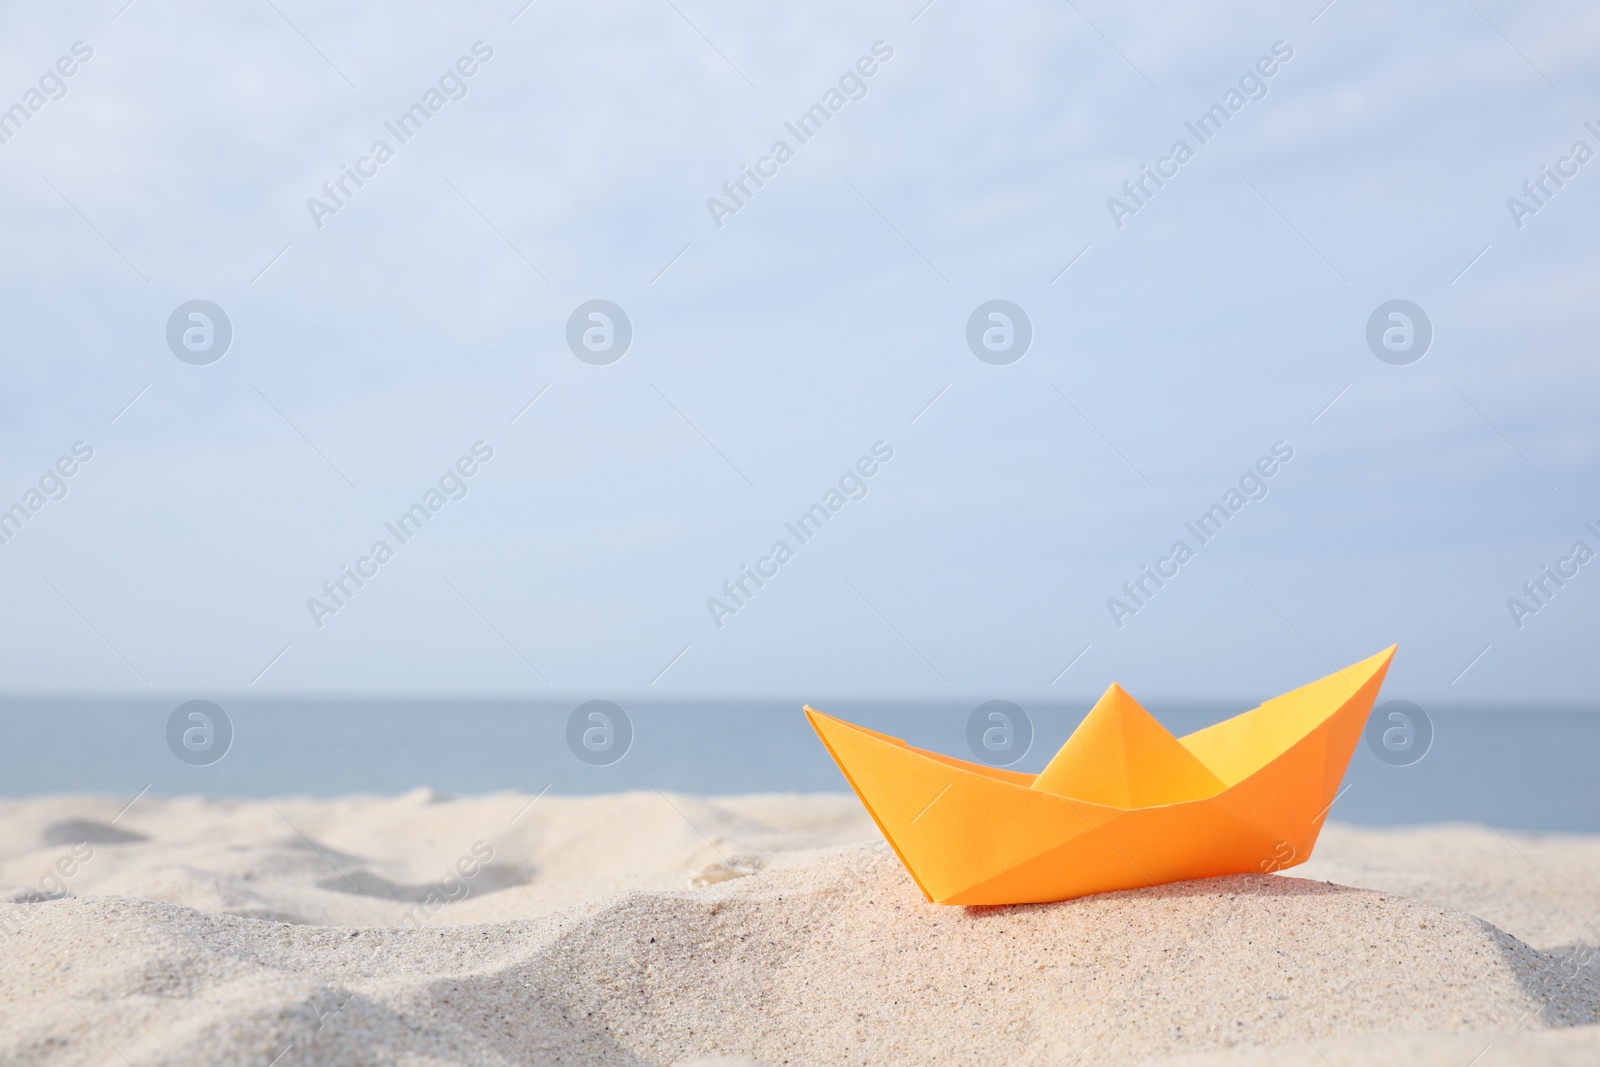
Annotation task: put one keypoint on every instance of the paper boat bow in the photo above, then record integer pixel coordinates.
(1124, 804)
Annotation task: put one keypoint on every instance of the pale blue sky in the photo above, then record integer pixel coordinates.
(821, 318)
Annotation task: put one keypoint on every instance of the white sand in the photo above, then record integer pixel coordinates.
(232, 932)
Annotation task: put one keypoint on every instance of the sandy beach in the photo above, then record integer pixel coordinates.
(648, 928)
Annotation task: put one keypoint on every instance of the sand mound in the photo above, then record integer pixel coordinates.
(371, 861)
(1545, 888)
(664, 929)
(819, 957)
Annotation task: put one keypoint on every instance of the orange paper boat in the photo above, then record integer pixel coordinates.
(1124, 804)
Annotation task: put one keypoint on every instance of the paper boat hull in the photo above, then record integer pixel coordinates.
(971, 834)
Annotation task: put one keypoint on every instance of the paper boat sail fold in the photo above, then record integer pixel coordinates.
(1124, 804)
(1120, 756)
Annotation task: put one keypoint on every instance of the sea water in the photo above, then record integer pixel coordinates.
(1512, 768)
